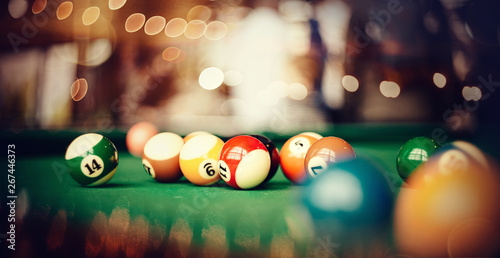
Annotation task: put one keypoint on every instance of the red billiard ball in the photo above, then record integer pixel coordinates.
(138, 135)
(326, 151)
(292, 156)
(161, 157)
(244, 162)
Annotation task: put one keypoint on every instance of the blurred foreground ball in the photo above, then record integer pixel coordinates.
(138, 135)
(413, 153)
(350, 197)
(91, 159)
(452, 206)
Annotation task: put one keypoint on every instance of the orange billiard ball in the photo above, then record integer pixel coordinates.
(450, 207)
(326, 151)
(293, 154)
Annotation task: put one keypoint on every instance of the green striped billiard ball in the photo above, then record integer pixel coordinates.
(413, 153)
(91, 159)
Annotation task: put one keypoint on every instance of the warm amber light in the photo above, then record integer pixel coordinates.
(135, 22)
(171, 53)
(39, 6)
(64, 10)
(350, 83)
(175, 27)
(199, 12)
(90, 15)
(154, 25)
(79, 89)
(390, 89)
(216, 30)
(116, 4)
(439, 80)
(195, 29)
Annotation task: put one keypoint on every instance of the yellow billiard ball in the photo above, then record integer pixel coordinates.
(198, 159)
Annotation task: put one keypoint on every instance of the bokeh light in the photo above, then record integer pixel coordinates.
(195, 29)
(279, 88)
(64, 10)
(199, 12)
(439, 80)
(17, 8)
(472, 93)
(233, 77)
(297, 91)
(350, 83)
(39, 6)
(175, 27)
(171, 53)
(390, 89)
(154, 25)
(267, 98)
(211, 78)
(135, 22)
(180, 58)
(79, 89)
(90, 15)
(216, 30)
(295, 10)
(116, 4)
(98, 51)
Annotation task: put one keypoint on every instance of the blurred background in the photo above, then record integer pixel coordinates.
(239, 66)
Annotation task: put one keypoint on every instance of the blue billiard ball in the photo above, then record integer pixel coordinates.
(352, 196)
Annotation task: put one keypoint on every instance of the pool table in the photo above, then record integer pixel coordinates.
(134, 216)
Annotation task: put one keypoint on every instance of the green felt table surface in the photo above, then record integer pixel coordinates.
(133, 215)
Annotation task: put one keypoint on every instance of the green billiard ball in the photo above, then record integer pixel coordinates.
(92, 159)
(413, 153)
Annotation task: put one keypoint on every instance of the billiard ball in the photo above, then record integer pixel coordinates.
(198, 159)
(451, 202)
(457, 157)
(413, 153)
(244, 162)
(293, 154)
(138, 135)
(348, 199)
(274, 155)
(161, 157)
(92, 159)
(469, 150)
(193, 134)
(325, 152)
(313, 134)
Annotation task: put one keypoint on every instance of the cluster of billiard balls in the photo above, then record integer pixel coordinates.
(448, 205)
(243, 161)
